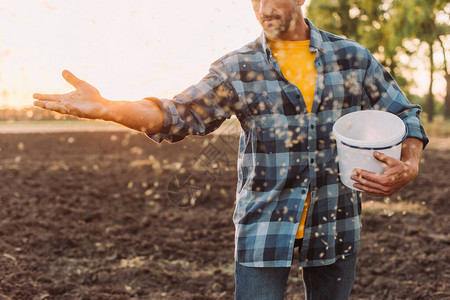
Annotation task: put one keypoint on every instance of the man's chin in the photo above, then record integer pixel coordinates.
(272, 33)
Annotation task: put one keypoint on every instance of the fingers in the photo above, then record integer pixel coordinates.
(374, 184)
(40, 104)
(369, 179)
(48, 97)
(51, 105)
(366, 175)
(370, 187)
(72, 79)
(371, 191)
(384, 158)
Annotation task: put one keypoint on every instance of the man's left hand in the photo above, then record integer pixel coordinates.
(395, 175)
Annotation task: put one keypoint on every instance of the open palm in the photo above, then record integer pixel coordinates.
(84, 102)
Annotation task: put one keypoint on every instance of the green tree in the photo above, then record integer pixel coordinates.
(383, 25)
(418, 19)
(365, 22)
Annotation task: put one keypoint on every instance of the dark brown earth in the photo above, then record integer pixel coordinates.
(102, 216)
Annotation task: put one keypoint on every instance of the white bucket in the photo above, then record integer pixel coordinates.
(359, 134)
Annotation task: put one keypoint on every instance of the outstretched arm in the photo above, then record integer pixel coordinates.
(396, 174)
(86, 102)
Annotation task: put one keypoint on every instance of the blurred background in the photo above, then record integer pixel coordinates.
(89, 214)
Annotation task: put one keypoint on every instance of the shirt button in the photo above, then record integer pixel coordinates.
(312, 126)
(303, 192)
(312, 160)
(297, 96)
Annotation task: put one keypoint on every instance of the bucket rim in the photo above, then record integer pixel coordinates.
(376, 148)
(386, 143)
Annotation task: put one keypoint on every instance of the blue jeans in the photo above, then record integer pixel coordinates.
(332, 282)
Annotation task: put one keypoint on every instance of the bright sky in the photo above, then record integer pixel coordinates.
(128, 49)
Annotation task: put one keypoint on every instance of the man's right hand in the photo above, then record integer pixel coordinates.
(84, 102)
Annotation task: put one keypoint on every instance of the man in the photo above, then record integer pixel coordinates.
(287, 89)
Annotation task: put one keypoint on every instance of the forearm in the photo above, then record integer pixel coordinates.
(143, 115)
(412, 152)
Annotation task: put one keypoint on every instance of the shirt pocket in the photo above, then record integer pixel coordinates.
(342, 90)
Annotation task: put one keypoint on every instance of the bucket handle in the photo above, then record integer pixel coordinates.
(378, 148)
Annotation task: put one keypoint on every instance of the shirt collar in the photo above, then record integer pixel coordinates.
(316, 41)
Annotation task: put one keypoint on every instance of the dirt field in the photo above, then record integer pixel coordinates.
(111, 215)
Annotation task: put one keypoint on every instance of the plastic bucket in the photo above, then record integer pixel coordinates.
(359, 134)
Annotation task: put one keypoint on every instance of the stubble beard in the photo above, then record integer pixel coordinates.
(281, 26)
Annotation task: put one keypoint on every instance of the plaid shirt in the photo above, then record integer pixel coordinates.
(284, 152)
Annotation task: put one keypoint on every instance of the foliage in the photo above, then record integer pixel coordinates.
(417, 19)
(365, 21)
(382, 26)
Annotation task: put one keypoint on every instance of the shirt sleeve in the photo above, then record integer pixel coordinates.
(199, 110)
(383, 93)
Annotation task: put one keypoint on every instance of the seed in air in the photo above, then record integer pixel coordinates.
(137, 150)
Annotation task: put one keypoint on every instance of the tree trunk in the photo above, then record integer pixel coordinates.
(430, 98)
(446, 108)
(447, 99)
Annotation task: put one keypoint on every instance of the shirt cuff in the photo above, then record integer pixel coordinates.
(171, 118)
(416, 130)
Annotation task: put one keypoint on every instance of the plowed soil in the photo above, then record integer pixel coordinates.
(112, 215)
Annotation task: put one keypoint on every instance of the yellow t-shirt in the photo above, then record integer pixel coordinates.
(297, 65)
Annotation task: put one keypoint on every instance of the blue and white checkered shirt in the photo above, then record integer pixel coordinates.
(283, 151)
